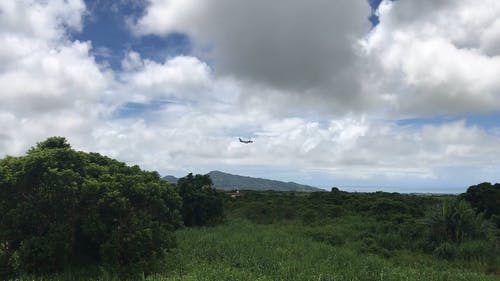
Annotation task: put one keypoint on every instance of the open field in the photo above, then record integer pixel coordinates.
(259, 243)
(241, 250)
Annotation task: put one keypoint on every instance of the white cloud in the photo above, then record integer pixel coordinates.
(181, 77)
(50, 85)
(437, 57)
(41, 20)
(268, 62)
(52, 78)
(40, 69)
(306, 49)
(183, 139)
(425, 58)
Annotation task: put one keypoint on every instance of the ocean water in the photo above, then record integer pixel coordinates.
(421, 190)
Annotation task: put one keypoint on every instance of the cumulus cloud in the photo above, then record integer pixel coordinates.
(40, 69)
(437, 57)
(307, 49)
(424, 58)
(50, 84)
(36, 19)
(181, 77)
(52, 78)
(257, 66)
(351, 147)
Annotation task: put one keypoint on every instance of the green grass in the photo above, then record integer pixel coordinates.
(241, 250)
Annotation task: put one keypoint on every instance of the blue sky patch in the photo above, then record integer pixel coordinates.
(485, 121)
(373, 17)
(134, 109)
(105, 25)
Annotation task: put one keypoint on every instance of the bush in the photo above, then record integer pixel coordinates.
(202, 204)
(260, 212)
(446, 251)
(384, 208)
(310, 217)
(63, 208)
(325, 235)
(370, 245)
(485, 197)
(455, 222)
(477, 250)
(6, 265)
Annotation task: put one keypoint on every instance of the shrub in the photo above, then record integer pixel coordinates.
(202, 204)
(485, 197)
(477, 250)
(309, 217)
(385, 208)
(64, 208)
(455, 222)
(370, 245)
(325, 235)
(446, 251)
(260, 212)
(6, 266)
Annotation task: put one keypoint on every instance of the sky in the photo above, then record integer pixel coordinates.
(363, 95)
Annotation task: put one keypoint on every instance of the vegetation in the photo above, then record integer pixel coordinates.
(84, 216)
(202, 204)
(63, 208)
(485, 198)
(384, 224)
(241, 250)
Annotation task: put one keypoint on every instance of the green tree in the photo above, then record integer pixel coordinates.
(455, 222)
(61, 208)
(52, 142)
(202, 204)
(485, 198)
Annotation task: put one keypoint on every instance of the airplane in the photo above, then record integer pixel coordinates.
(246, 141)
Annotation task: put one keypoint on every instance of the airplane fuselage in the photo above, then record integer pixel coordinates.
(245, 141)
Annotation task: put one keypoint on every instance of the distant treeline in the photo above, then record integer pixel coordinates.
(464, 227)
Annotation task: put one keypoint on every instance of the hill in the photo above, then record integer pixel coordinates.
(227, 181)
(170, 179)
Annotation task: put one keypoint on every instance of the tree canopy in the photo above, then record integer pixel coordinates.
(62, 207)
(485, 197)
(202, 204)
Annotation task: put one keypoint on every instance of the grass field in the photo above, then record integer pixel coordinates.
(241, 250)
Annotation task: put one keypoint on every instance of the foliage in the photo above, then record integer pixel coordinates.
(456, 222)
(241, 250)
(446, 251)
(378, 223)
(485, 197)
(51, 143)
(202, 204)
(268, 235)
(63, 208)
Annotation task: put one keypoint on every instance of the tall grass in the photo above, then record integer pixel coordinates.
(242, 250)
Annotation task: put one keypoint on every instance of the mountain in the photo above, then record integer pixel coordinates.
(227, 181)
(170, 179)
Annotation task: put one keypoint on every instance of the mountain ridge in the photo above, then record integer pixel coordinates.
(226, 181)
